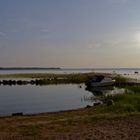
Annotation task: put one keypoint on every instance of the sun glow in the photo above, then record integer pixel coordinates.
(137, 37)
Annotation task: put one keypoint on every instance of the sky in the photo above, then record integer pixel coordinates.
(70, 33)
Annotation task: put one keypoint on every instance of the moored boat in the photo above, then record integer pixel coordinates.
(99, 81)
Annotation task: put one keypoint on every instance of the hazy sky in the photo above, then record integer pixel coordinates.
(70, 33)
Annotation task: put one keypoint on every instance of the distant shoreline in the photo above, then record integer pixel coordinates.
(29, 68)
(59, 68)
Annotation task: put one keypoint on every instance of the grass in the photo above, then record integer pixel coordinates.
(30, 131)
(45, 75)
(50, 78)
(119, 79)
(73, 78)
(123, 103)
(134, 88)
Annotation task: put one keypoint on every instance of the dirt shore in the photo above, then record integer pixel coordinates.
(120, 129)
(81, 124)
(125, 128)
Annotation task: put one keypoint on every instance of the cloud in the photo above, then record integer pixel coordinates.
(45, 30)
(110, 40)
(123, 1)
(104, 43)
(136, 36)
(123, 40)
(119, 1)
(2, 34)
(94, 45)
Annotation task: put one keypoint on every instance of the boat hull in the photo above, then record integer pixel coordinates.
(99, 84)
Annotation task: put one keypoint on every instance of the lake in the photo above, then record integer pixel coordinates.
(37, 99)
(31, 99)
(74, 70)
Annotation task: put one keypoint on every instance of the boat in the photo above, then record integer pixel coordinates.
(100, 81)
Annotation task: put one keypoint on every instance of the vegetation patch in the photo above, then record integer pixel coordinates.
(30, 131)
(123, 103)
(134, 88)
(50, 78)
(121, 79)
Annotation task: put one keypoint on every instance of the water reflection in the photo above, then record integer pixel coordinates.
(99, 91)
(30, 99)
(36, 99)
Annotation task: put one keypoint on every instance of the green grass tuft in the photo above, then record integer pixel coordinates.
(134, 88)
(123, 103)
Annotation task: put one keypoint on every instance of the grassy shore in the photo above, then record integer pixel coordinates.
(52, 78)
(77, 124)
(46, 75)
(79, 76)
(117, 118)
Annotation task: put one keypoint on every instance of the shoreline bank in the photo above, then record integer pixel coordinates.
(79, 124)
(120, 120)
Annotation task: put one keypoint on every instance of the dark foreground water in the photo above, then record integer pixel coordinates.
(37, 99)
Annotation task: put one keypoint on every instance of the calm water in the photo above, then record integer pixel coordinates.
(76, 70)
(35, 99)
(47, 71)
